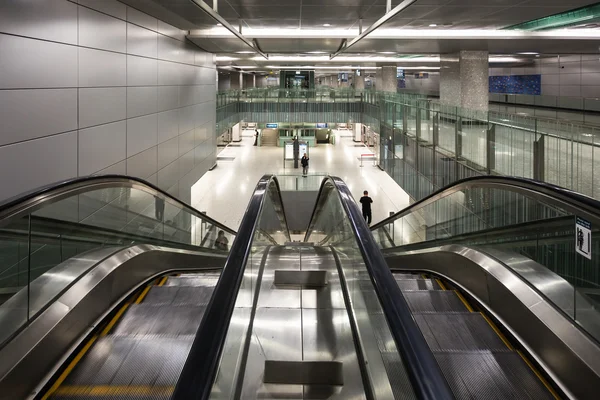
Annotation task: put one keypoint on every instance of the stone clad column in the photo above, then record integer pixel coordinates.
(389, 80)
(359, 81)
(464, 79)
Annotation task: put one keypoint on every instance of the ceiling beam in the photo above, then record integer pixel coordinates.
(389, 15)
(211, 13)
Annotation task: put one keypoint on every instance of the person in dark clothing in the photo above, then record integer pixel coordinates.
(256, 137)
(366, 206)
(221, 242)
(304, 162)
(159, 208)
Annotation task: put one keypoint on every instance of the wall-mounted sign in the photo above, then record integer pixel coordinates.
(422, 75)
(583, 237)
(321, 126)
(271, 126)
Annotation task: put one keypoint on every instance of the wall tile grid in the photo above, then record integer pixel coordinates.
(566, 75)
(94, 86)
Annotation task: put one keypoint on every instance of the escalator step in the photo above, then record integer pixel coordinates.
(458, 332)
(421, 301)
(155, 362)
(145, 319)
(212, 274)
(417, 284)
(206, 281)
(490, 376)
(398, 275)
(179, 295)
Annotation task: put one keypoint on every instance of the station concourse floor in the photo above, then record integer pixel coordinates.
(225, 191)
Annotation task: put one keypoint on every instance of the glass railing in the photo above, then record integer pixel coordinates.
(43, 234)
(538, 221)
(292, 182)
(441, 142)
(217, 360)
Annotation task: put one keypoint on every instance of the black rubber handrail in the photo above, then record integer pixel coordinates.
(571, 201)
(34, 199)
(425, 374)
(201, 366)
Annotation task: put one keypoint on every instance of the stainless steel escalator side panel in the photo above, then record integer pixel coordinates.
(562, 349)
(39, 350)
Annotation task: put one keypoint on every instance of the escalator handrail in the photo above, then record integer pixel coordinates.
(201, 366)
(427, 378)
(30, 201)
(573, 202)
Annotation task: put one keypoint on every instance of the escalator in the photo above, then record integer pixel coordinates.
(476, 358)
(491, 274)
(141, 350)
(161, 302)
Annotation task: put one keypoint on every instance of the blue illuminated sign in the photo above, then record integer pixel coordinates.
(321, 126)
(271, 126)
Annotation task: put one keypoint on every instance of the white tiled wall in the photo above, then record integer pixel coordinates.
(95, 86)
(566, 75)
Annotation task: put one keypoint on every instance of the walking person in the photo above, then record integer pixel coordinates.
(256, 137)
(221, 242)
(304, 162)
(366, 206)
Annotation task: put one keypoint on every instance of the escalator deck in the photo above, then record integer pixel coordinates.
(476, 359)
(141, 352)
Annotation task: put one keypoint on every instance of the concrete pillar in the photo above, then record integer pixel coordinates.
(464, 79)
(241, 80)
(234, 81)
(389, 80)
(248, 81)
(359, 81)
(253, 81)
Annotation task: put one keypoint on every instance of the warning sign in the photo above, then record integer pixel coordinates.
(583, 237)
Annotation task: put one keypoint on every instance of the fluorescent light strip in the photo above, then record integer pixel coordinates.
(359, 59)
(392, 33)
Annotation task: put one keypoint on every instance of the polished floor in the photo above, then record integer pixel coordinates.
(225, 191)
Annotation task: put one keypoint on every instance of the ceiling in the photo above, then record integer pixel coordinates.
(290, 27)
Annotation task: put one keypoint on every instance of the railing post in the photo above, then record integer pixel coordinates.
(538, 159)
(490, 144)
(435, 142)
(457, 145)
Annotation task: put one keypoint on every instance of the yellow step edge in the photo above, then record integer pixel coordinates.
(117, 390)
(163, 281)
(69, 368)
(114, 320)
(464, 301)
(539, 376)
(439, 281)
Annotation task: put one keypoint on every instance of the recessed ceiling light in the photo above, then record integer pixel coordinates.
(245, 52)
(317, 52)
(433, 25)
(529, 53)
(326, 24)
(219, 24)
(387, 52)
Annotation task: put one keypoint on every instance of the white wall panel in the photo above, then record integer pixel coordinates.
(39, 162)
(168, 98)
(101, 31)
(141, 41)
(101, 147)
(143, 164)
(101, 68)
(54, 20)
(142, 19)
(101, 105)
(141, 134)
(141, 101)
(82, 91)
(168, 152)
(168, 125)
(30, 114)
(110, 7)
(29, 63)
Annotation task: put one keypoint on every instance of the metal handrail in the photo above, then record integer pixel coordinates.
(568, 200)
(200, 369)
(28, 202)
(426, 376)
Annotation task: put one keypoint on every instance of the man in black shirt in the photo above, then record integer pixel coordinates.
(366, 206)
